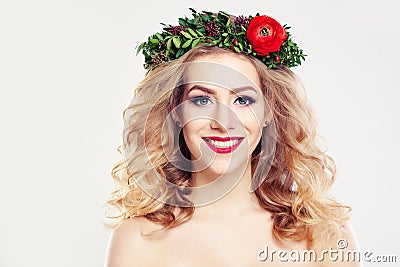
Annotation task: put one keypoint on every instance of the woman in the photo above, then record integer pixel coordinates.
(220, 164)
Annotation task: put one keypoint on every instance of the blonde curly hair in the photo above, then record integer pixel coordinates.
(294, 191)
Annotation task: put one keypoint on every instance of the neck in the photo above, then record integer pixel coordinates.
(227, 196)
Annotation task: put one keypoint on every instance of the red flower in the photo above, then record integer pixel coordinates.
(265, 35)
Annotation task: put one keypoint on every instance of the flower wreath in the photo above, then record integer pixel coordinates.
(260, 36)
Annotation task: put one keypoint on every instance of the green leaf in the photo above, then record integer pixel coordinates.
(226, 41)
(195, 42)
(182, 22)
(236, 49)
(169, 43)
(176, 41)
(186, 35)
(179, 53)
(228, 23)
(214, 42)
(154, 41)
(199, 33)
(192, 32)
(139, 48)
(159, 36)
(187, 43)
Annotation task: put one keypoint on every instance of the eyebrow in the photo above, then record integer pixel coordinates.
(212, 92)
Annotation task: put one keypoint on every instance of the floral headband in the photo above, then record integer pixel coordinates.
(260, 36)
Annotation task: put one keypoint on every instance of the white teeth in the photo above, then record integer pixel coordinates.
(223, 144)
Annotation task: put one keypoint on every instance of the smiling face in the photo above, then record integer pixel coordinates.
(222, 112)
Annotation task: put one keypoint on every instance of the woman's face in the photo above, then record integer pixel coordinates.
(222, 112)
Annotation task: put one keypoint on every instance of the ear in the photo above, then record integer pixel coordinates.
(174, 115)
(268, 116)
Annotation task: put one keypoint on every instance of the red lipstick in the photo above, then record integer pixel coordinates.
(221, 145)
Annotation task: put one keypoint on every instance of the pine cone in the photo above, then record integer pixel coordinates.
(212, 29)
(242, 21)
(176, 30)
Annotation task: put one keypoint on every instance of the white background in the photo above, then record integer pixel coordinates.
(67, 72)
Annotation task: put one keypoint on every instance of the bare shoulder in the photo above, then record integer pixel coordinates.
(339, 250)
(126, 243)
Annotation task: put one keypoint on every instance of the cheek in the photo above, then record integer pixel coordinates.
(188, 131)
(251, 121)
(192, 128)
(192, 135)
(253, 129)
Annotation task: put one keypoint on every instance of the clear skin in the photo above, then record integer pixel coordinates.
(227, 232)
(211, 107)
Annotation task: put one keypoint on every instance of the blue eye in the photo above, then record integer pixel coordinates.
(245, 100)
(201, 100)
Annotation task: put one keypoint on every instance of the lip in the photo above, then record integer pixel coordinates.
(223, 150)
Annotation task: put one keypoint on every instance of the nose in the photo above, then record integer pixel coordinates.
(223, 117)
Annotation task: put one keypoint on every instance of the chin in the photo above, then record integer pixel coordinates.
(219, 170)
(226, 166)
